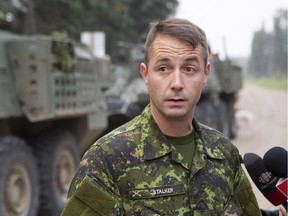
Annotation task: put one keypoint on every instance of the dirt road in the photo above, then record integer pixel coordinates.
(262, 124)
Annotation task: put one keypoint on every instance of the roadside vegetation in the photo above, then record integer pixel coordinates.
(279, 84)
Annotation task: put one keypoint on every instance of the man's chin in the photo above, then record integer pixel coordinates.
(176, 114)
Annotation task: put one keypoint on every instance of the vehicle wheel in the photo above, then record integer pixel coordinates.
(19, 188)
(120, 113)
(58, 157)
(133, 110)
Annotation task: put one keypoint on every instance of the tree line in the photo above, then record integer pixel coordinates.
(269, 49)
(121, 20)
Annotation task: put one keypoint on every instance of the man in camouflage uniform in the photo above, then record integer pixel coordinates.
(164, 162)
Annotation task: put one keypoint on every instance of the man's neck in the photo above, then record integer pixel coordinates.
(175, 127)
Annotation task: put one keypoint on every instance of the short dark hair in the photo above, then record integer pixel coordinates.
(177, 28)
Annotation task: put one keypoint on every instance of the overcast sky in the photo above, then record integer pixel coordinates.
(231, 21)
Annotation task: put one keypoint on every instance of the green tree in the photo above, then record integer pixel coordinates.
(143, 12)
(260, 54)
(279, 54)
(57, 15)
(269, 50)
(121, 20)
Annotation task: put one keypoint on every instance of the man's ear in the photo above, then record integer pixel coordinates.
(144, 72)
(206, 73)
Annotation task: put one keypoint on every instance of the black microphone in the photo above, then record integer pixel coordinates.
(275, 160)
(263, 179)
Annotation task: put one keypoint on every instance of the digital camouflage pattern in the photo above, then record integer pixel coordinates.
(143, 174)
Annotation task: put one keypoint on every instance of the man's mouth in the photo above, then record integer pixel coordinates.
(176, 101)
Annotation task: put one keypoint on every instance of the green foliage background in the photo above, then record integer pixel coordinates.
(121, 20)
(269, 50)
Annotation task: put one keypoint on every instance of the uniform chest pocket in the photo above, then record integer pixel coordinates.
(166, 200)
(216, 209)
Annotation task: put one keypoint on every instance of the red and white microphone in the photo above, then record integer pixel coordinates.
(282, 186)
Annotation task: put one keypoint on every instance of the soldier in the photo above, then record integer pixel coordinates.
(164, 162)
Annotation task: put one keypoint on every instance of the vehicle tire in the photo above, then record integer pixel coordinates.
(133, 110)
(120, 113)
(119, 107)
(57, 157)
(19, 187)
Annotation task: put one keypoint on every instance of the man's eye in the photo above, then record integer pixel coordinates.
(163, 69)
(190, 69)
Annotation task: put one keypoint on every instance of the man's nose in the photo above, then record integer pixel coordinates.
(177, 80)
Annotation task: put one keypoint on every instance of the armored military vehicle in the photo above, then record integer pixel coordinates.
(128, 95)
(51, 110)
(216, 107)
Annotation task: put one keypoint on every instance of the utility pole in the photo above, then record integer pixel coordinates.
(224, 47)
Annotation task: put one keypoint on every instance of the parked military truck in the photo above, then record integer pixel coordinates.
(51, 110)
(124, 91)
(128, 95)
(216, 107)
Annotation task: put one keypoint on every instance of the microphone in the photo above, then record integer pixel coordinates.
(263, 179)
(275, 160)
(282, 186)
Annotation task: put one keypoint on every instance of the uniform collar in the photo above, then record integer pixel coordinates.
(156, 144)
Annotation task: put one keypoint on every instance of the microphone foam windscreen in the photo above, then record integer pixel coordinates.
(275, 160)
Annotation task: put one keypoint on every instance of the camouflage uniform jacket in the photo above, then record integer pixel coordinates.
(134, 170)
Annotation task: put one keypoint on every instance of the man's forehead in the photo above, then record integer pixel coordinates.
(165, 39)
(173, 46)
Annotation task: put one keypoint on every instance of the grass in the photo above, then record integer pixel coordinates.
(279, 84)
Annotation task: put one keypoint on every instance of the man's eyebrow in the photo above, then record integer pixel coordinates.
(163, 59)
(191, 58)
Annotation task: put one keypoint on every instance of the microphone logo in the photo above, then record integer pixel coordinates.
(265, 177)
